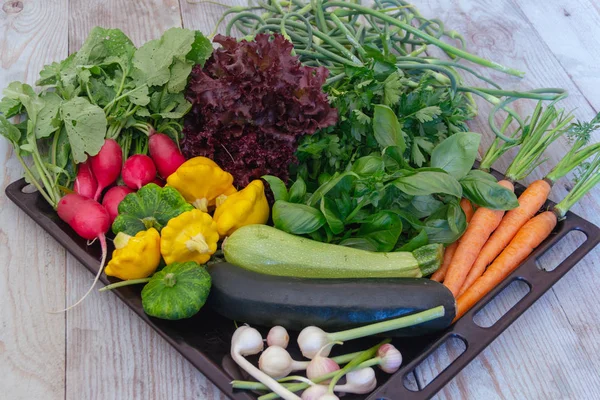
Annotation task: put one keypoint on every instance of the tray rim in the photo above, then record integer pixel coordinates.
(463, 327)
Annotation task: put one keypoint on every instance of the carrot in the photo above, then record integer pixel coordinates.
(468, 209)
(532, 199)
(440, 274)
(527, 238)
(482, 225)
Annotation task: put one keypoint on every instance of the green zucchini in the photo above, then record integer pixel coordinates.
(267, 250)
(331, 304)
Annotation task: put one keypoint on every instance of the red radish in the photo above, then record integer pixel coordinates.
(112, 198)
(159, 182)
(85, 183)
(165, 154)
(138, 170)
(90, 220)
(106, 165)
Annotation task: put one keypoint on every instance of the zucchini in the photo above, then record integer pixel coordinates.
(267, 250)
(331, 304)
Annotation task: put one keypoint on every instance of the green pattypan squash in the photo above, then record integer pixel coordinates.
(178, 291)
(150, 207)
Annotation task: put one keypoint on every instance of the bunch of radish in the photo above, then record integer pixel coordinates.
(82, 209)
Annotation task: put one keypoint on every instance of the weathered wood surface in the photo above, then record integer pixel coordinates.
(103, 350)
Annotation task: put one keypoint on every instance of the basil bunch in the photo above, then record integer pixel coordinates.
(379, 203)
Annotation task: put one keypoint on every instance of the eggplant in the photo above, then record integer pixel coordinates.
(330, 304)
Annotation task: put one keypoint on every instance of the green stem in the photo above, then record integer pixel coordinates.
(363, 357)
(116, 99)
(300, 386)
(349, 36)
(44, 175)
(34, 181)
(386, 326)
(124, 283)
(295, 387)
(590, 178)
(415, 31)
(570, 161)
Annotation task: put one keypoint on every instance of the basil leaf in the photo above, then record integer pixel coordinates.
(383, 229)
(413, 221)
(429, 182)
(453, 216)
(327, 186)
(368, 165)
(479, 174)
(456, 154)
(277, 187)
(297, 191)
(386, 128)
(298, 219)
(438, 228)
(487, 193)
(418, 241)
(343, 204)
(424, 206)
(332, 215)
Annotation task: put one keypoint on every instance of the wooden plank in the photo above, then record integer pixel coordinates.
(140, 20)
(511, 367)
(572, 31)
(204, 16)
(32, 271)
(111, 353)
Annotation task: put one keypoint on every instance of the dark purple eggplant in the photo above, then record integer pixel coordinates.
(331, 304)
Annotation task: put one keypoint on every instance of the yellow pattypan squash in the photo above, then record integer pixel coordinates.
(200, 180)
(246, 207)
(135, 257)
(191, 236)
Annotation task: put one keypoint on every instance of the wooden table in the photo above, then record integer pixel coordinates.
(102, 350)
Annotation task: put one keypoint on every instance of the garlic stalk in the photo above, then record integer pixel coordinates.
(312, 338)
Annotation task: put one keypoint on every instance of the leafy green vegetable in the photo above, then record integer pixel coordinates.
(428, 182)
(177, 291)
(456, 154)
(86, 125)
(151, 207)
(386, 128)
(381, 229)
(298, 219)
(481, 188)
(154, 61)
(108, 89)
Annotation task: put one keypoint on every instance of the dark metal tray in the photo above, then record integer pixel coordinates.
(204, 339)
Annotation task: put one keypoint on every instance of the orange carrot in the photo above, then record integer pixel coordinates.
(529, 203)
(467, 207)
(482, 225)
(527, 238)
(440, 274)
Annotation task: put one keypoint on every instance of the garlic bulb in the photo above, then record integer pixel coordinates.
(278, 336)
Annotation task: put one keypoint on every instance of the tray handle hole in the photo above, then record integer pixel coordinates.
(500, 304)
(439, 359)
(561, 250)
(28, 189)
